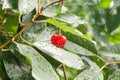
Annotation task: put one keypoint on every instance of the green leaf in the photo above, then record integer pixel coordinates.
(26, 6)
(61, 55)
(50, 11)
(41, 68)
(112, 19)
(110, 51)
(115, 36)
(82, 42)
(63, 27)
(10, 4)
(75, 48)
(91, 73)
(115, 75)
(16, 68)
(70, 18)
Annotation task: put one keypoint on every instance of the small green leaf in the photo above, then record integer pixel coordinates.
(115, 75)
(41, 68)
(91, 73)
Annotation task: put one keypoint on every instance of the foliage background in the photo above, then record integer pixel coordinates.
(99, 35)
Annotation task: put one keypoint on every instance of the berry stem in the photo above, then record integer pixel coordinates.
(60, 31)
(64, 72)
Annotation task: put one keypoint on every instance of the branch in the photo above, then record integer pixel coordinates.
(5, 44)
(108, 63)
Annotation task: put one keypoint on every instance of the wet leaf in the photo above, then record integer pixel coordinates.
(26, 6)
(16, 69)
(115, 75)
(91, 73)
(41, 68)
(61, 55)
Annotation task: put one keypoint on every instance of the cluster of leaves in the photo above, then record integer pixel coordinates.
(33, 57)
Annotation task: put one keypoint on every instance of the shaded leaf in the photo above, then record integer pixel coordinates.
(116, 4)
(14, 70)
(11, 23)
(41, 68)
(112, 20)
(115, 75)
(91, 73)
(10, 4)
(110, 51)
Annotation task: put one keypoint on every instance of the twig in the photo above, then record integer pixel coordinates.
(108, 63)
(5, 44)
(39, 21)
(38, 6)
(26, 41)
(100, 58)
(52, 4)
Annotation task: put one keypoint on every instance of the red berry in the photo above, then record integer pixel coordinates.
(58, 40)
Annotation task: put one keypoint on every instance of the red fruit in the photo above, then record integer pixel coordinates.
(58, 40)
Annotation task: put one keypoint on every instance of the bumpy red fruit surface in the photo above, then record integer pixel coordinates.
(58, 40)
